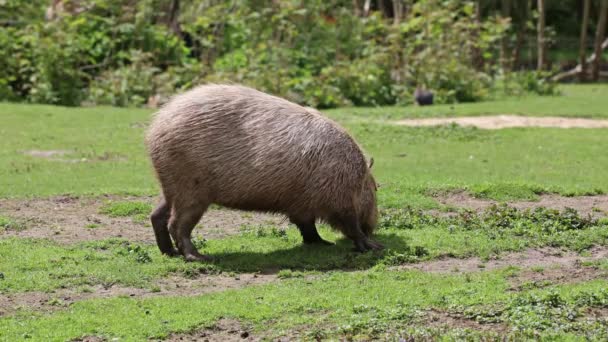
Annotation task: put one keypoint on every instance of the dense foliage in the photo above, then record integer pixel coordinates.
(314, 52)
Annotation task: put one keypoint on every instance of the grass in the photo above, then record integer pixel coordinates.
(125, 209)
(584, 101)
(344, 304)
(320, 293)
(409, 236)
(106, 152)
(7, 223)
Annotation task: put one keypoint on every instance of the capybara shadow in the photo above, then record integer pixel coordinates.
(309, 257)
(243, 149)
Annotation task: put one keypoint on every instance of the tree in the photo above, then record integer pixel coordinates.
(506, 13)
(542, 49)
(520, 23)
(583, 42)
(599, 38)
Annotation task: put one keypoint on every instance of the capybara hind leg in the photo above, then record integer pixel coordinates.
(160, 220)
(309, 232)
(181, 226)
(351, 227)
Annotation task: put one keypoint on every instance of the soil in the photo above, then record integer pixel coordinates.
(58, 155)
(555, 275)
(223, 330)
(508, 121)
(531, 258)
(172, 286)
(596, 206)
(437, 318)
(65, 219)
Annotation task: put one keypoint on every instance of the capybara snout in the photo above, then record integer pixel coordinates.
(244, 149)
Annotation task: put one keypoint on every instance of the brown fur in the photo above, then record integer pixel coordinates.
(244, 149)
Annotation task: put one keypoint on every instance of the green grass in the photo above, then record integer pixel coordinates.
(107, 154)
(356, 304)
(410, 236)
(321, 292)
(7, 223)
(586, 101)
(124, 209)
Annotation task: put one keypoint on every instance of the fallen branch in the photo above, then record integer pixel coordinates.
(577, 69)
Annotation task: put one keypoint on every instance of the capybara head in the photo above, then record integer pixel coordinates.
(369, 208)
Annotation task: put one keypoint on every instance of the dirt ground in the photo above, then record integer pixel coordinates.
(65, 219)
(224, 330)
(596, 206)
(531, 258)
(173, 285)
(508, 121)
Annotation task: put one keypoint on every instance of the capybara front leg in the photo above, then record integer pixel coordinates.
(352, 229)
(309, 232)
(182, 225)
(160, 220)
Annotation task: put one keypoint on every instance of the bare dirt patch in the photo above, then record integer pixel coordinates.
(596, 206)
(508, 121)
(541, 277)
(223, 330)
(170, 286)
(442, 319)
(68, 219)
(46, 153)
(531, 258)
(59, 156)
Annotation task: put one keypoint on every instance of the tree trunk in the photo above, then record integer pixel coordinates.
(173, 20)
(505, 13)
(366, 7)
(397, 11)
(521, 33)
(599, 37)
(542, 49)
(583, 42)
(356, 8)
(477, 56)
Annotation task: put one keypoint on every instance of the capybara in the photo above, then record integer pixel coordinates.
(423, 97)
(244, 149)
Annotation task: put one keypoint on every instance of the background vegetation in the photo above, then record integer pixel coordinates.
(319, 53)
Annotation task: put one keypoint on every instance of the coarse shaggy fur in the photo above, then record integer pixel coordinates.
(244, 149)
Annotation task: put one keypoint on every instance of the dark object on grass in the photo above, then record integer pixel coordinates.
(244, 149)
(423, 97)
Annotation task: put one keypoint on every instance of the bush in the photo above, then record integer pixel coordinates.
(316, 53)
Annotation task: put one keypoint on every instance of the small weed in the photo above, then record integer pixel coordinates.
(286, 274)
(55, 302)
(537, 269)
(140, 254)
(125, 209)
(85, 289)
(92, 226)
(410, 255)
(273, 232)
(6, 223)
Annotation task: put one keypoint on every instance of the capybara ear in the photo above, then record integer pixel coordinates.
(371, 162)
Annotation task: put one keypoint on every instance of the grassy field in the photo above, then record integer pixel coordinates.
(78, 258)
(100, 150)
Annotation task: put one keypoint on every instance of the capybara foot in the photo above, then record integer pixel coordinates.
(364, 245)
(196, 256)
(173, 252)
